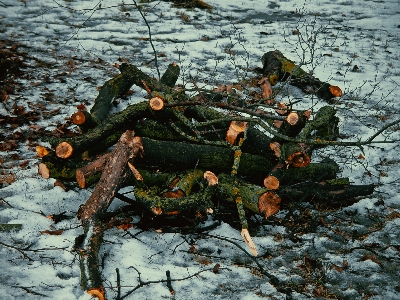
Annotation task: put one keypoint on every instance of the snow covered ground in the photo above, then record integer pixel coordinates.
(72, 46)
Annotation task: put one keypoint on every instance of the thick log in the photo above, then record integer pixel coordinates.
(97, 136)
(175, 156)
(170, 75)
(325, 193)
(114, 174)
(90, 214)
(277, 67)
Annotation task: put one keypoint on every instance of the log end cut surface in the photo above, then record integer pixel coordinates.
(64, 150)
(268, 203)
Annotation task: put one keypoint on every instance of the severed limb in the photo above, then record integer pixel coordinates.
(92, 212)
(277, 67)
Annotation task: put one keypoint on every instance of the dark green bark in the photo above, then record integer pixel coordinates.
(170, 155)
(171, 75)
(326, 194)
(278, 68)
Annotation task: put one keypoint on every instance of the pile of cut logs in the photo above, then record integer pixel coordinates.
(184, 156)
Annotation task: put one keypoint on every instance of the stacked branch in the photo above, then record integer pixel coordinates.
(205, 155)
(276, 67)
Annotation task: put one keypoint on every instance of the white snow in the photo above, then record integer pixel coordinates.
(363, 239)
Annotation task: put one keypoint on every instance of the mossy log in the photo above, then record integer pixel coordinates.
(97, 136)
(276, 67)
(325, 193)
(170, 75)
(175, 156)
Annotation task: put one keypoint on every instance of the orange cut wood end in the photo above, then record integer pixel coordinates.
(266, 88)
(292, 118)
(271, 182)
(97, 292)
(78, 118)
(298, 160)
(156, 103)
(44, 171)
(135, 172)
(64, 150)
(211, 178)
(231, 136)
(307, 114)
(80, 179)
(157, 211)
(335, 91)
(42, 151)
(276, 147)
(249, 241)
(268, 203)
(238, 126)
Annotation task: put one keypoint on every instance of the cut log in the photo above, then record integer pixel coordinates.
(156, 103)
(296, 155)
(90, 214)
(326, 194)
(269, 204)
(175, 156)
(114, 174)
(277, 67)
(84, 120)
(171, 75)
(235, 129)
(64, 150)
(211, 178)
(98, 136)
(44, 171)
(271, 182)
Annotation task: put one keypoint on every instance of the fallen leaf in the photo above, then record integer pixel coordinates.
(52, 232)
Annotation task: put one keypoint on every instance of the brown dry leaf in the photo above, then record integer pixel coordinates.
(24, 163)
(7, 178)
(361, 156)
(192, 249)
(335, 267)
(203, 261)
(372, 258)
(8, 146)
(52, 232)
(125, 227)
(216, 268)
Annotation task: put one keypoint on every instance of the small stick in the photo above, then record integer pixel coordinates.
(169, 284)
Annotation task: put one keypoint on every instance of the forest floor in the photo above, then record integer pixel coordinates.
(67, 49)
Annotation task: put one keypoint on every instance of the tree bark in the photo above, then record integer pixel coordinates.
(277, 67)
(90, 214)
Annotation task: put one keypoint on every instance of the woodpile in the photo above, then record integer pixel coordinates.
(184, 157)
